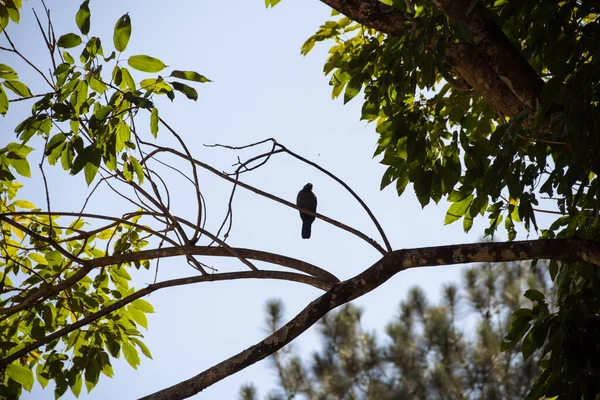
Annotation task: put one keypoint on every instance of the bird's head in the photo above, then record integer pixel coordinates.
(308, 186)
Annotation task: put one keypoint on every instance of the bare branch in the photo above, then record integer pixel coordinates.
(159, 149)
(279, 148)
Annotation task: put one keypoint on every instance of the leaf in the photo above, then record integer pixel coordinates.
(154, 122)
(91, 166)
(534, 295)
(528, 345)
(131, 355)
(7, 72)
(38, 258)
(76, 388)
(458, 209)
(146, 63)
(517, 329)
(128, 79)
(3, 102)
(24, 204)
(189, 91)
(143, 305)
(138, 316)
(22, 167)
(353, 88)
(19, 88)
(142, 347)
(122, 33)
(271, 3)
(92, 373)
(69, 40)
(96, 85)
(190, 76)
(21, 375)
(3, 17)
(83, 17)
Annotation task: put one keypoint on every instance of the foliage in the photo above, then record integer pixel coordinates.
(48, 286)
(450, 143)
(430, 351)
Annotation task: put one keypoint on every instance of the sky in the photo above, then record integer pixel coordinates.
(262, 88)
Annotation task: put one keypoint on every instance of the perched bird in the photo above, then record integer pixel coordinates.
(306, 199)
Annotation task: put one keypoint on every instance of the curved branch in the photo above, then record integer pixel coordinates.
(284, 149)
(373, 277)
(288, 276)
(341, 182)
(159, 149)
(164, 252)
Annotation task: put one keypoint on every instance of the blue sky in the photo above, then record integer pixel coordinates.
(262, 88)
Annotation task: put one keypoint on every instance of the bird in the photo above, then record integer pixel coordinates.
(307, 200)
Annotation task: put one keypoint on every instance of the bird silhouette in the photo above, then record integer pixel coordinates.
(306, 199)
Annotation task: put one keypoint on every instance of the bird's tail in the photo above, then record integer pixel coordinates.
(306, 229)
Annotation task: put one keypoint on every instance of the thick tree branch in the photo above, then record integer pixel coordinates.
(560, 249)
(497, 71)
(503, 56)
(372, 13)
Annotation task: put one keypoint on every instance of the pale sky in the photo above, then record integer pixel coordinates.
(262, 88)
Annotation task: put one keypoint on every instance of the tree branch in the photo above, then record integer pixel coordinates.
(217, 252)
(289, 276)
(565, 250)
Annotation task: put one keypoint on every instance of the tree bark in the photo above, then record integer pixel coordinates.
(566, 250)
(492, 65)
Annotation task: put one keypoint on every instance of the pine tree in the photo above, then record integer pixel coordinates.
(446, 351)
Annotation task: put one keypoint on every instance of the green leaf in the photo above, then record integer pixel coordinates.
(97, 85)
(128, 79)
(143, 305)
(7, 72)
(528, 346)
(131, 355)
(189, 91)
(83, 17)
(271, 3)
(142, 347)
(19, 88)
(3, 17)
(3, 102)
(138, 316)
(122, 33)
(22, 167)
(190, 76)
(146, 63)
(89, 161)
(24, 204)
(517, 328)
(154, 122)
(69, 40)
(21, 375)
(12, 7)
(353, 88)
(76, 388)
(534, 295)
(458, 209)
(92, 374)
